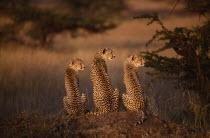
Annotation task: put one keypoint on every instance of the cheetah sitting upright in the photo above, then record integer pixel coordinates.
(105, 99)
(133, 99)
(74, 103)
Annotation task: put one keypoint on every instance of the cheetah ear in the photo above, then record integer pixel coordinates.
(104, 51)
(130, 57)
(133, 57)
(71, 62)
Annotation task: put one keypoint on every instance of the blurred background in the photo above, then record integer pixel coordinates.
(39, 37)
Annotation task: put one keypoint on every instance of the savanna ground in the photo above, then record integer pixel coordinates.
(32, 85)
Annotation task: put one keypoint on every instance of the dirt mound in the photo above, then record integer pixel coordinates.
(123, 124)
(119, 124)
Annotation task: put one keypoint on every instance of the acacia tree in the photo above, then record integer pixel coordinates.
(91, 15)
(191, 68)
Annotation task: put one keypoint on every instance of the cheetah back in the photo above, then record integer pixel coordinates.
(102, 88)
(72, 102)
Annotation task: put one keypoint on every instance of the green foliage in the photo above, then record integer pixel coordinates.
(197, 6)
(191, 67)
(88, 15)
(96, 7)
(7, 32)
(200, 6)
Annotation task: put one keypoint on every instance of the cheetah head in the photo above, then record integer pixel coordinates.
(136, 60)
(77, 64)
(107, 54)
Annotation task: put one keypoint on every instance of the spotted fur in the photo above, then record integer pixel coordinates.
(133, 99)
(106, 99)
(74, 103)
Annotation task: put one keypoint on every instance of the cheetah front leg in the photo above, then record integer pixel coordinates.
(116, 100)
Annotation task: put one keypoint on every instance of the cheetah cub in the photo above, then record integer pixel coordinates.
(74, 103)
(105, 99)
(133, 99)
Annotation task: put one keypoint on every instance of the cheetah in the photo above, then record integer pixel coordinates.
(133, 99)
(105, 99)
(74, 103)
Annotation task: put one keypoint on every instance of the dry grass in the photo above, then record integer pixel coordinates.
(27, 77)
(32, 79)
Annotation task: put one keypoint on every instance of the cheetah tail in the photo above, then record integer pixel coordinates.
(83, 98)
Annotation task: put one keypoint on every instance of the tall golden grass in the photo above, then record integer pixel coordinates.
(32, 79)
